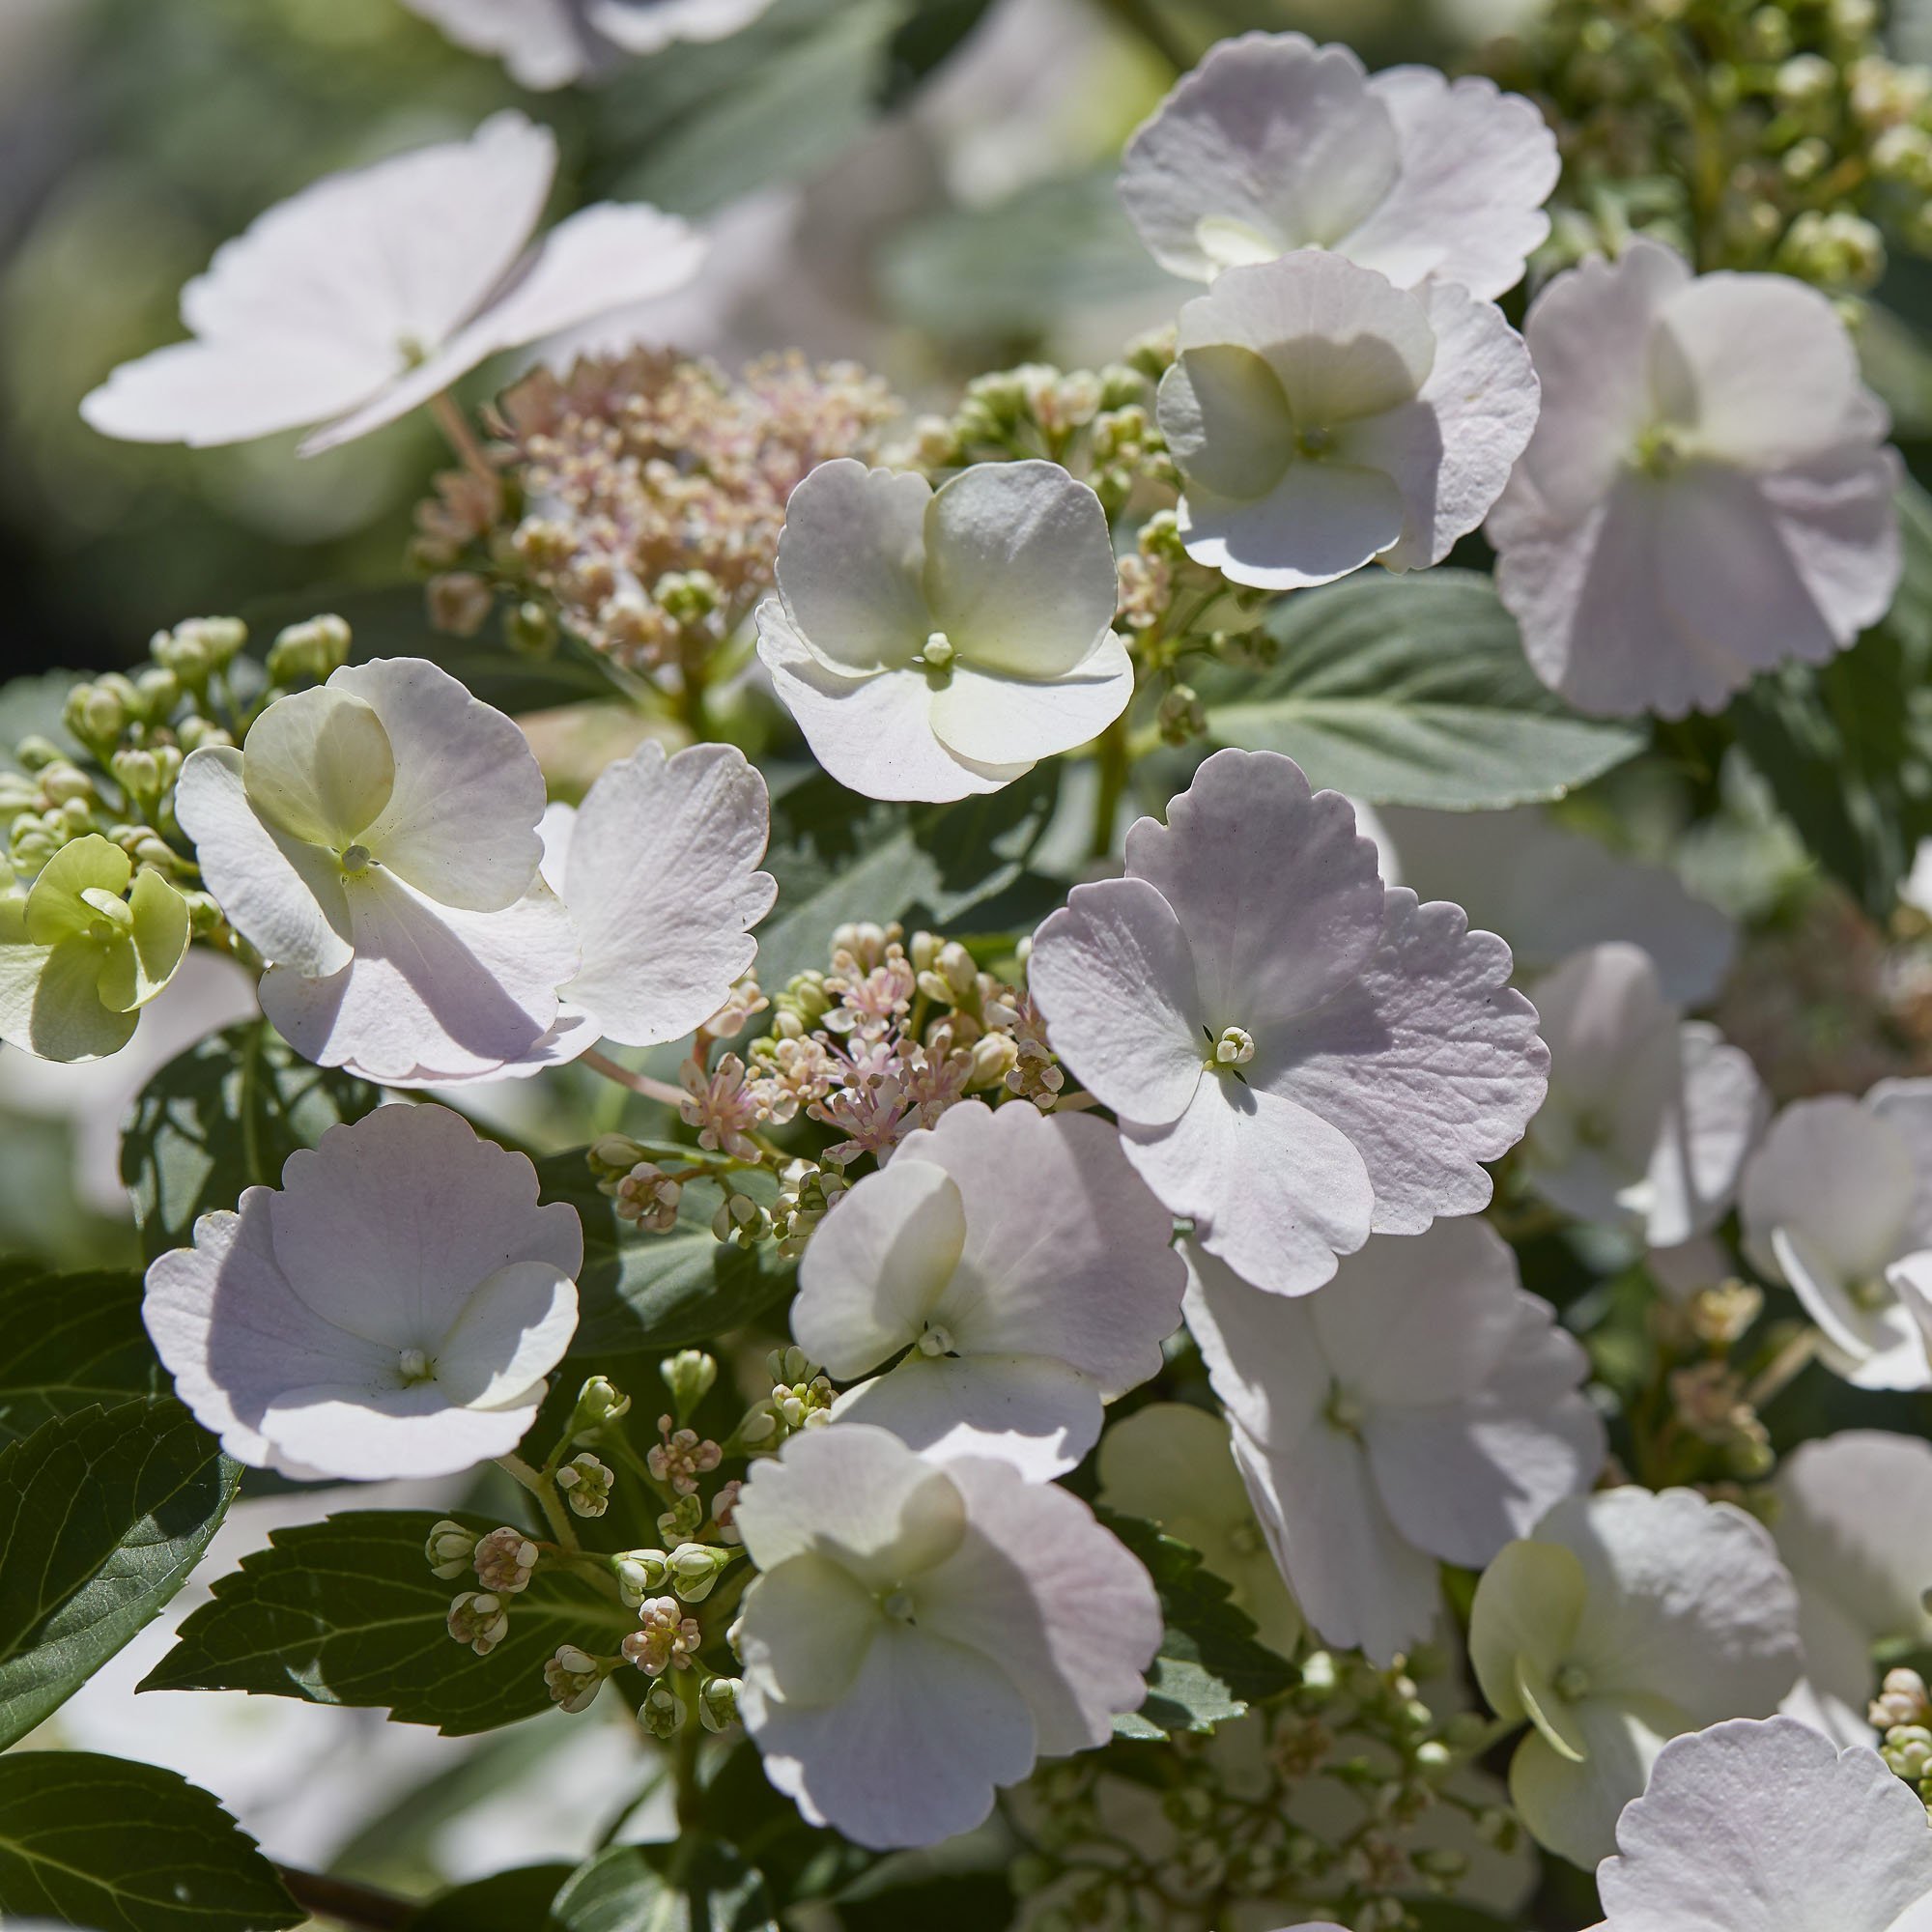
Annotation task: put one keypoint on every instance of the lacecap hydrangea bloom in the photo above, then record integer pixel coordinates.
(1706, 495)
(1297, 1056)
(1420, 1408)
(376, 841)
(1767, 1827)
(1274, 144)
(372, 291)
(318, 1331)
(1627, 1619)
(1323, 418)
(923, 1631)
(936, 643)
(1018, 1266)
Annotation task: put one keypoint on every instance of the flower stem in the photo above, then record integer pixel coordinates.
(358, 1905)
(638, 1083)
(540, 1486)
(460, 438)
(1113, 761)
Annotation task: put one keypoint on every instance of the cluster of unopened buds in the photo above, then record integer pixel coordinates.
(503, 1561)
(800, 1398)
(1903, 1712)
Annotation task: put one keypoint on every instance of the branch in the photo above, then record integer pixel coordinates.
(359, 1906)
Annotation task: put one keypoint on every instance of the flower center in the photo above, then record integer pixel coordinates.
(935, 1341)
(1315, 443)
(899, 1606)
(937, 658)
(1234, 1046)
(414, 1367)
(1344, 1410)
(1660, 450)
(1872, 1295)
(1570, 1683)
(357, 858)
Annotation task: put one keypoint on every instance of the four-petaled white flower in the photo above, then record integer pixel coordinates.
(936, 643)
(549, 43)
(1706, 495)
(1421, 1406)
(1767, 1827)
(1853, 1525)
(1628, 1619)
(1299, 1058)
(1274, 144)
(391, 1310)
(1323, 418)
(924, 1630)
(376, 841)
(1836, 1202)
(1020, 1264)
(371, 292)
(1649, 1116)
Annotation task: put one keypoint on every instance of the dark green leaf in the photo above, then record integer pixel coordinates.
(346, 1612)
(956, 1901)
(224, 1117)
(96, 1841)
(70, 1339)
(1209, 1668)
(1414, 690)
(507, 1901)
(641, 1292)
(697, 1884)
(929, 36)
(103, 1514)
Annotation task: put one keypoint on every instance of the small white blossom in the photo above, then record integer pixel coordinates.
(372, 291)
(1420, 1407)
(1628, 1619)
(932, 643)
(1650, 1118)
(1705, 496)
(1274, 144)
(318, 1332)
(1323, 418)
(1765, 1827)
(924, 1630)
(1390, 1059)
(646, 26)
(1835, 1201)
(1022, 1267)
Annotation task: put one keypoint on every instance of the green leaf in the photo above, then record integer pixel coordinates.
(641, 1293)
(346, 1612)
(506, 1901)
(1414, 690)
(697, 1884)
(71, 1340)
(120, 1847)
(103, 1514)
(224, 1117)
(1209, 1668)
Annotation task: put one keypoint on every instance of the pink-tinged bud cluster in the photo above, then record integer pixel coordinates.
(667, 1638)
(682, 1457)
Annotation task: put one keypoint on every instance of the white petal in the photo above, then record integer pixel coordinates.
(1572, 1808)
(1032, 1412)
(1321, 521)
(366, 1435)
(643, 27)
(1715, 1119)
(209, 393)
(510, 1333)
(1227, 418)
(537, 39)
(1263, 1353)
(808, 1623)
(317, 765)
(1906, 1107)
(1872, 1334)
(1838, 1177)
(850, 561)
(991, 718)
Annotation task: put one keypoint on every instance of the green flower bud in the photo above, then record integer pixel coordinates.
(309, 651)
(688, 1374)
(531, 629)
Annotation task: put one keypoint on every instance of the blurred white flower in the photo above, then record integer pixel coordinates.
(923, 1631)
(1274, 144)
(1421, 1406)
(1649, 1116)
(376, 841)
(1838, 1192)
(1627, 1619)
(1174, 1464)
(1853, 1525)
(1752, 1827)
(932, 643)
(372, 291)
(1323, 418)
(1022, 1267)
(542, 43)
(1299, 1058)
(1706, 495)
(644, 26)
(317, 1332)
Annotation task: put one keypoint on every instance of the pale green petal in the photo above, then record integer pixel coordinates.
(144, 959)
(319, 766)
(50, 1002)
(55, 907)
(1528, 1607)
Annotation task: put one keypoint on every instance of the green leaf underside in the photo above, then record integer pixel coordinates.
(1209, 1668)
(346, 1612)
(71, 1340)
(97, 1841)
(1414, 690)
(103, 1516)
(697, 1884)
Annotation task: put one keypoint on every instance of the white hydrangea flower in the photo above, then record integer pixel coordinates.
(1766, 1827)
(1705, 496)
(375, 840)
(550, 43)
(924, 1630)
(1853, 1525)
(1628, 1619)
(1323, 418)
(646, 26)
(1019, 1265)
(936, 643)
(316, 1332)
(1649, 1116)
(1421, 1406)
(1174, 1464)
(1274, 144)
(1838, 1193)
(372, 291)
(1298, 1057)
